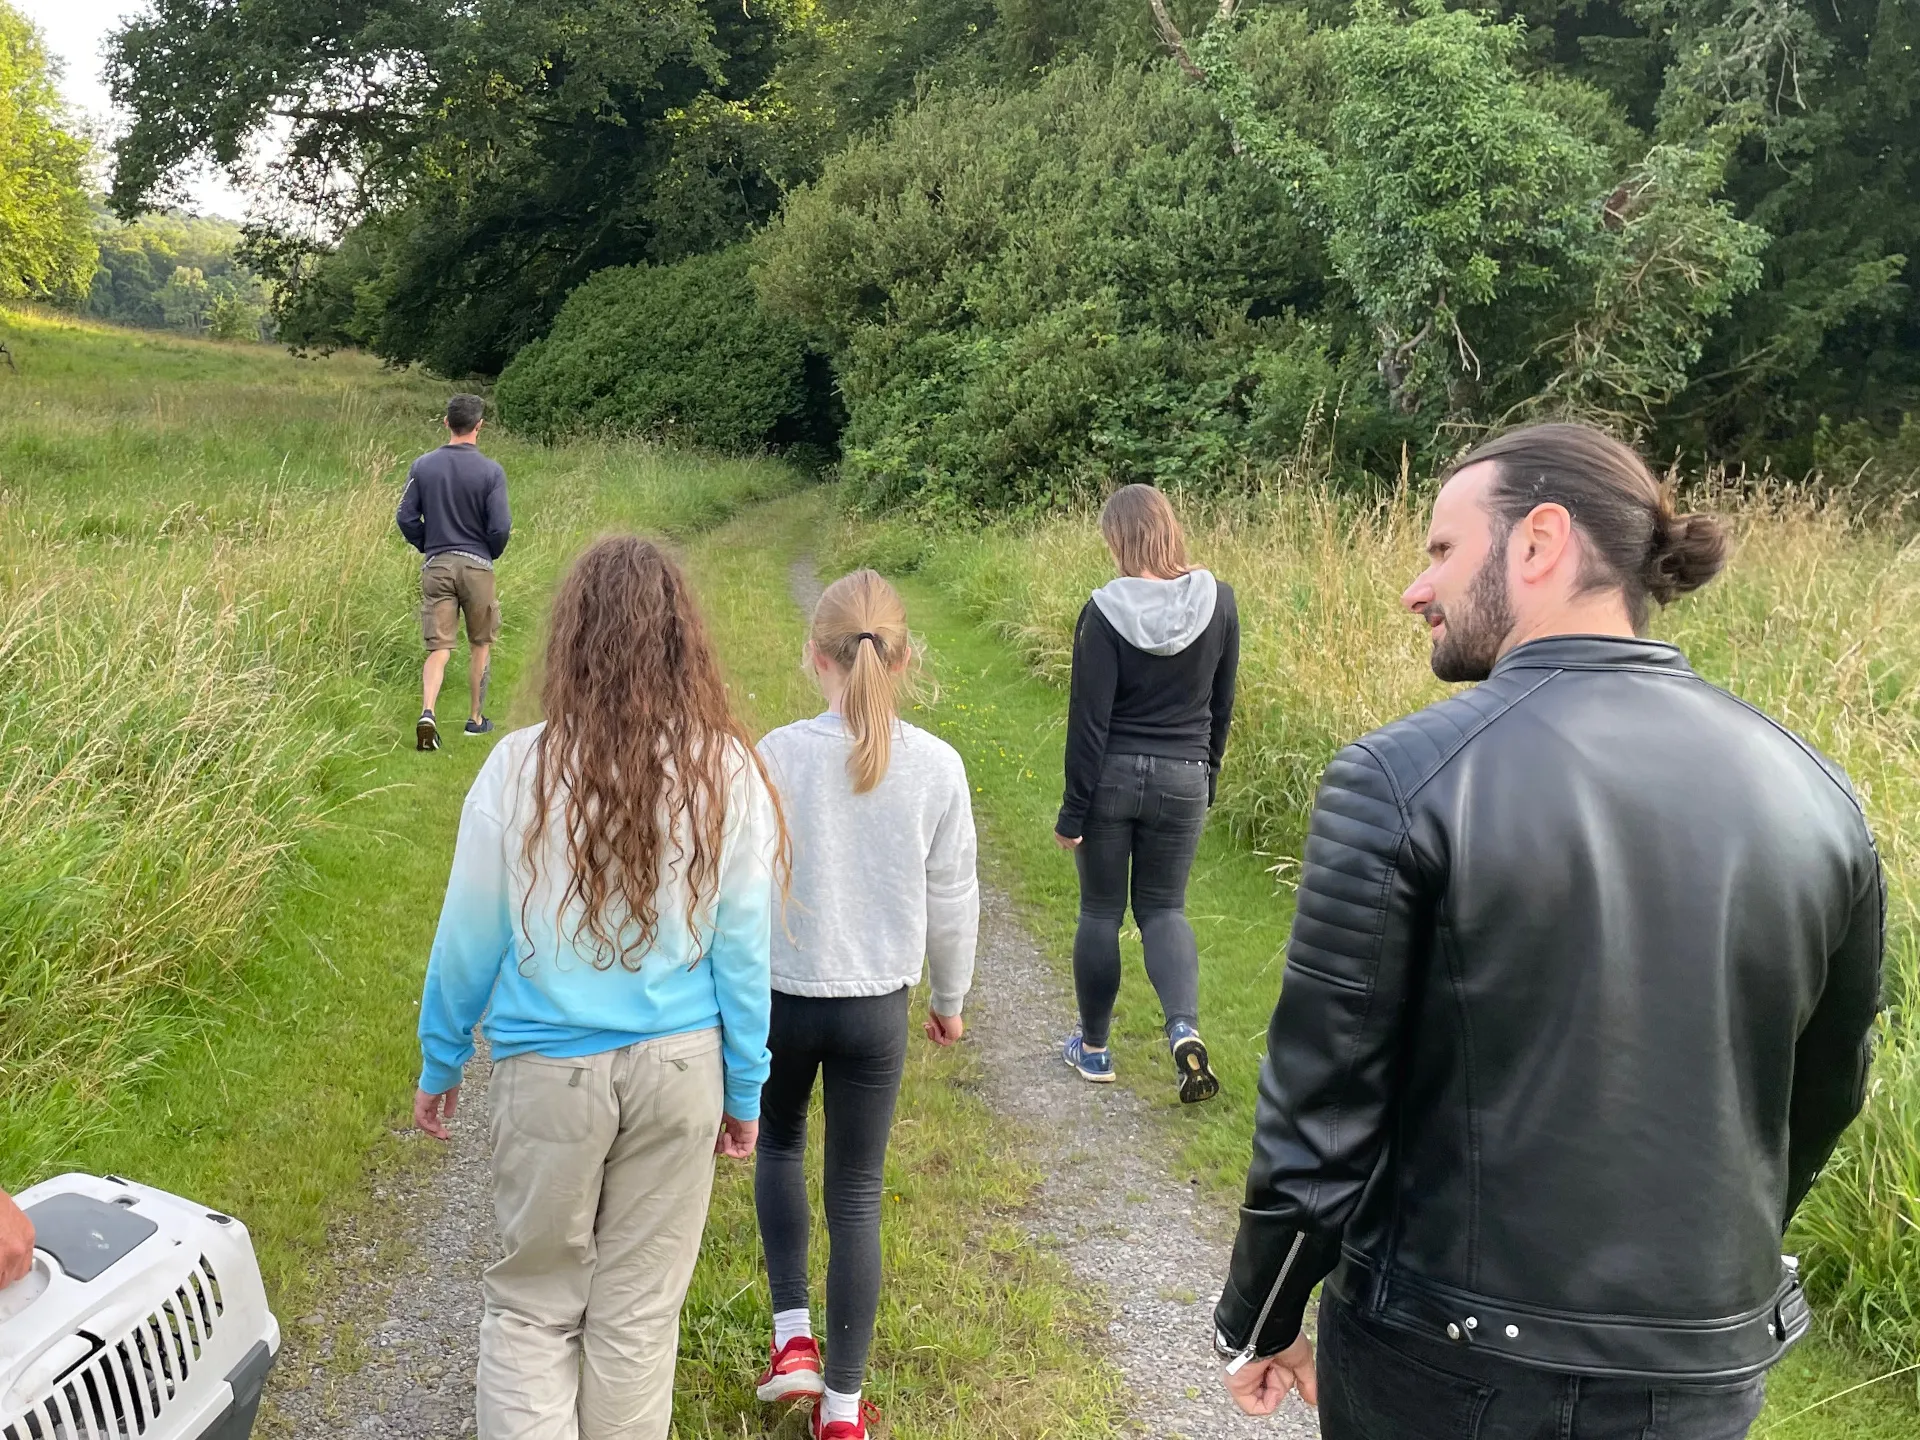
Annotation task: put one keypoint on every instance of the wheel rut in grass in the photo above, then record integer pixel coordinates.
(1154, 1248)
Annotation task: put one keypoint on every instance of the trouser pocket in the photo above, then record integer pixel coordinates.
(1372, 1390)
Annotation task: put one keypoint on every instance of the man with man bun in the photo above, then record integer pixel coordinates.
(1578, 1000)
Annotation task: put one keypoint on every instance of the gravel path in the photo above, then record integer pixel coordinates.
(1109, 1206)
(417, 1330)
(1154, 1248)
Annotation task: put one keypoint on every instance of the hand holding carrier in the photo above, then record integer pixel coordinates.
(143, 1318)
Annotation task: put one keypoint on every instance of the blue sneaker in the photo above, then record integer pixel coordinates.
(1094, 1065)
(1197, 1081)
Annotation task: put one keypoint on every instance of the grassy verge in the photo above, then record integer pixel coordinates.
(979, 1334)
(992, 609)
(219, 867)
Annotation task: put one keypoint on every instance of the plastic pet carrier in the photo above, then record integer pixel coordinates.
(143, 1318)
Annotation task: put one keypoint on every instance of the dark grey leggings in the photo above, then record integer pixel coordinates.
(859, 1047)
(1140, 837)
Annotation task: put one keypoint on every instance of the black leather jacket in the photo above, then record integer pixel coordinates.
(1578, 999)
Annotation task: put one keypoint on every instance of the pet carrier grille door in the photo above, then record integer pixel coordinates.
(143, 1318)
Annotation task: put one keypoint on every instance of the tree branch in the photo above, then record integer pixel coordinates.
(1171, 37)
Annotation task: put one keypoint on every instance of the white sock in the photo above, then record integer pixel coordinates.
(789, 1323)
(842, 1407)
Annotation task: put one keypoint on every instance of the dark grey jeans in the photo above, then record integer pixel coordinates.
(1378, 1383)
(858, 1048)
(1139, 842)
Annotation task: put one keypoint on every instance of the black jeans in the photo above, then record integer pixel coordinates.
(1378, 1383)
(1140, 835)
(859, 1046)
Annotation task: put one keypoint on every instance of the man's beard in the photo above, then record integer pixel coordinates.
(1478, 626)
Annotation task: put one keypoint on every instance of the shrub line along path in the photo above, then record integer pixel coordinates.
(1152, 1248)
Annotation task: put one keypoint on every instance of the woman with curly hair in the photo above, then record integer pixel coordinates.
(610, 911)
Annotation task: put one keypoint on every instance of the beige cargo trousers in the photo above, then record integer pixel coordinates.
(602, 1170)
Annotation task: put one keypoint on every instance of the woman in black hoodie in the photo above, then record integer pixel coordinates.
(1154, 658)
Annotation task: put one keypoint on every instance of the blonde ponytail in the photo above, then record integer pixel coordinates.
(861, 625)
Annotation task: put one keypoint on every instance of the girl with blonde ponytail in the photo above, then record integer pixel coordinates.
(883, 878)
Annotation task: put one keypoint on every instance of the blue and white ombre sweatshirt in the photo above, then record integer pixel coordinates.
(505, 950)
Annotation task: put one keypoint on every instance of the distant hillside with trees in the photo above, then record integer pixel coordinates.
(175, 271)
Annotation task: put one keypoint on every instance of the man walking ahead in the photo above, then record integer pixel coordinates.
(1577, 1002)
(455, 513)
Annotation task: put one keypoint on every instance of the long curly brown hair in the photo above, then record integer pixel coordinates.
(640, 744)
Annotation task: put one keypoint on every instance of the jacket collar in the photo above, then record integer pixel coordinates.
(1593, 652)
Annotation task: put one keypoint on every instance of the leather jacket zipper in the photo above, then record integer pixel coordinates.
(1240, 1361)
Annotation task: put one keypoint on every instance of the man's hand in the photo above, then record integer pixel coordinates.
(432, 1112)
(1259, 1386)
(1064, 843)
(943, 1029)
(16, 1241)
(737, 1138)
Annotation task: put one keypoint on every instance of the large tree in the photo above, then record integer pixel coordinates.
(503, 150)
(46, 233)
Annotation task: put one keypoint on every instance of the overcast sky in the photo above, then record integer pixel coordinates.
(76, 32)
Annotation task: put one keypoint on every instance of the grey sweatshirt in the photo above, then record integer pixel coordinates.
(880, 880)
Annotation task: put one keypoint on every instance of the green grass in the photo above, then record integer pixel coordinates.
(220, 859)
(992, 611)
(269, 1069)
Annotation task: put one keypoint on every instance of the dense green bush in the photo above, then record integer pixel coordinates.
(1030, 293)
(675, 350)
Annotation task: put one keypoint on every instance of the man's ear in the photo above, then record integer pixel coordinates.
(1544, 539)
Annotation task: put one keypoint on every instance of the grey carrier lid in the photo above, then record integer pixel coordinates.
(86, 1235)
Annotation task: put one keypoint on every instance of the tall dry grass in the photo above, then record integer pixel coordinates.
(177, 675)
(1817, 621)
(207, 622)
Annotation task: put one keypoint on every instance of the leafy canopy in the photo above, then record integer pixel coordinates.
(502, 151)
(1030, 292)
(1480, 219)
(46, 232)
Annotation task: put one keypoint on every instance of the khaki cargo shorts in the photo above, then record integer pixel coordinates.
(452, 585)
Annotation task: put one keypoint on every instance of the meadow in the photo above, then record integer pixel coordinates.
(220, 858)
(207, 645)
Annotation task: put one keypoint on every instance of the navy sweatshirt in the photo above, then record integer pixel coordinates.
(456, 499)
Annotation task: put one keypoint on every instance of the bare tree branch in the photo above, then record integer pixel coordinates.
(1171, 37)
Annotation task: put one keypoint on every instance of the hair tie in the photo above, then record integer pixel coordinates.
(867, 635)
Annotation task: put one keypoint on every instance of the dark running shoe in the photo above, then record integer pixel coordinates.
(1094, 1065)
(1197, 1080)
(482, 726)
(426, 734)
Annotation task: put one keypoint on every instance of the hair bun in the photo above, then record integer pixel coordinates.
(1687, 552)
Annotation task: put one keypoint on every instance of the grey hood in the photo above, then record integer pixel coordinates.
(1161, 617)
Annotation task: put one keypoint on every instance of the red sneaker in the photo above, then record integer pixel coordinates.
(823, 1429)
(793, 1371)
